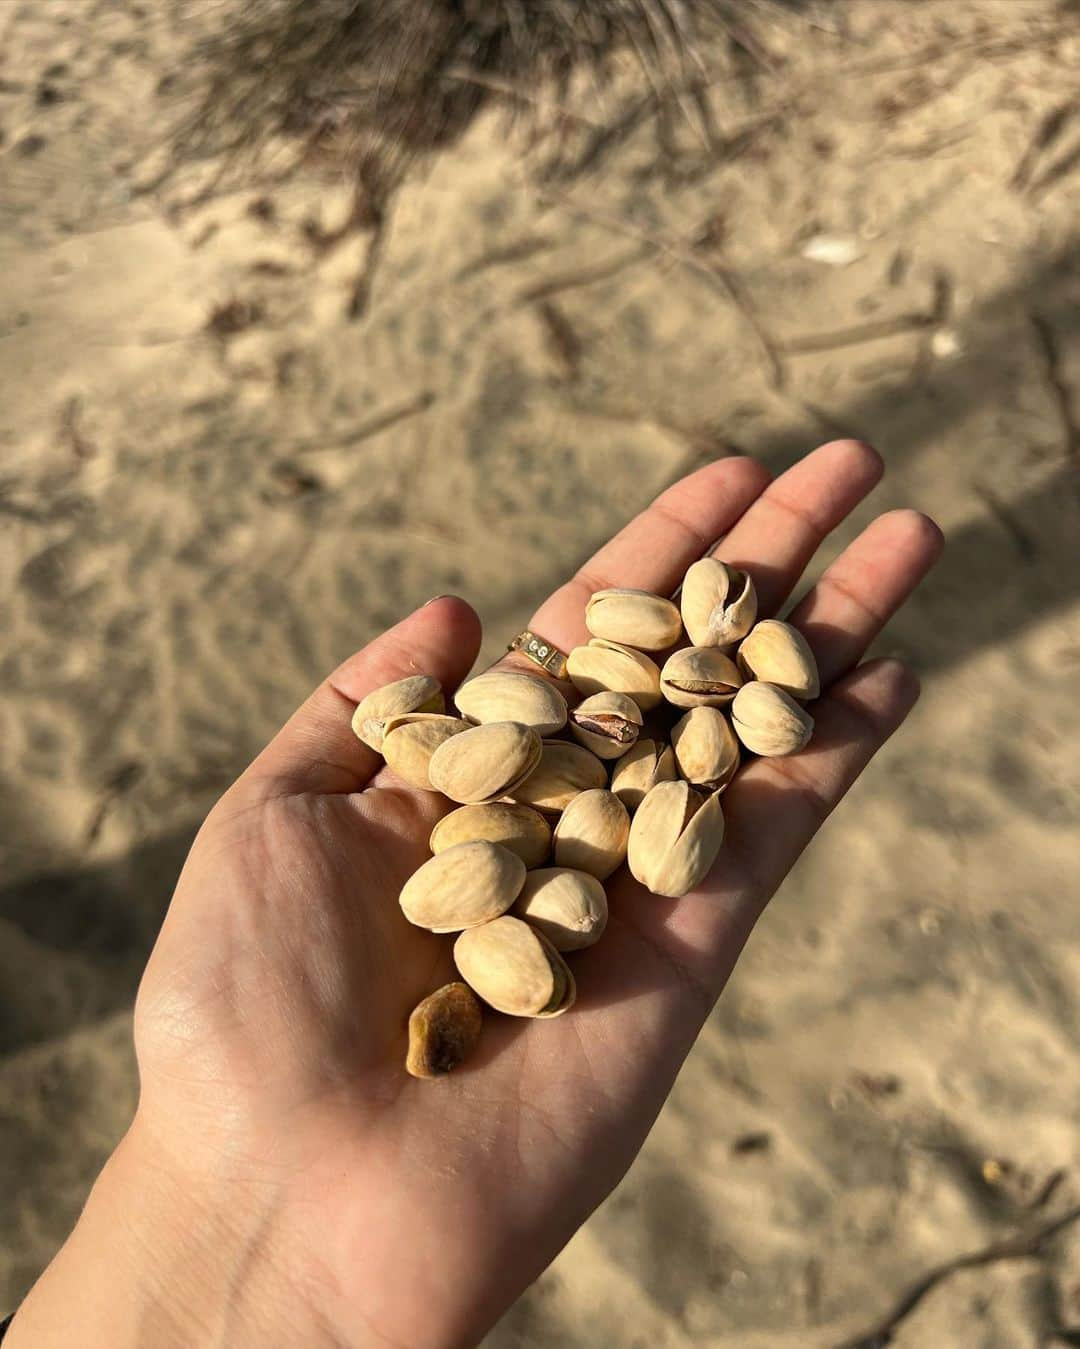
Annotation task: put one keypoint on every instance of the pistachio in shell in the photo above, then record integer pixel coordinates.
(675, 837)
(609, 667)
(485, 762)
(520, 828)
(636, 618)
(607, 723)
(462, 887)
(636, 773)
(706, 749)
(564, 770)
(699, 676)
(410, 741)
(719, 603)
(769, 721)
(444, 1030)
(416, 693)
(503, 695)
(776, 653)
(569, 907)
(514, 968)
(592, 832)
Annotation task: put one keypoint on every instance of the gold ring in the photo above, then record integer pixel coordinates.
(540, 652)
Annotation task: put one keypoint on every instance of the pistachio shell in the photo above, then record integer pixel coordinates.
(485, 762)
(769, 721)
(719, 603)
(501, 695)
(569, 907)
(636, 773)
(520, 828)
(699, 676)
(674, 838)
(606, 723)
(564, 770)
(608, 667)
(462, 887)
(706, 750)
(776, 653)
(443, 1031)
(410, 741)
(417, 693)
(592, 832)
(514, 968)
(635, 618)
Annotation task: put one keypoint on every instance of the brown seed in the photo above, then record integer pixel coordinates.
(443, 1030)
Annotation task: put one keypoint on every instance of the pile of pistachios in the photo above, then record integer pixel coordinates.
(518, 868)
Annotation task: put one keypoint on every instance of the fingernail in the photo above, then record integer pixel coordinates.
(434, 600)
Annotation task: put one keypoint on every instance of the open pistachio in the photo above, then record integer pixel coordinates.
(706, 750)
(564, 770)
(410, 741)
(608, 667)
(520, 828)
(417, 693)
(569, 907)
(592, 832)
(462, 887)
(501, 695)
(635, 618)
(675, 836)
(444, 1030)
(649, 762)
(514, 968)
(485, 762)
(776, 653)
(607, 723)
(769, 721)
(699, 676)
(719, 603)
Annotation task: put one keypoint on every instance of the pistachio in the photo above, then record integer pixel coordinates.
(769, 721)
(520, 828)
(514, 968)
(607, 667)
(719, 603)
(563, 771)
(485, 762)
(635, 618)
(674, 838)
(409, 742)
(607, 723)
(569, 907)
(776, 653)
(699, 676)
(649, 762)
(706, 750)
(500, 695)
(443, 1031)
(417, 693)
(591, 833)
(462, 887)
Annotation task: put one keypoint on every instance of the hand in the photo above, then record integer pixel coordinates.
(284, 1181)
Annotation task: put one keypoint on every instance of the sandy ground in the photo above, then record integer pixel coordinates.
(213, 486)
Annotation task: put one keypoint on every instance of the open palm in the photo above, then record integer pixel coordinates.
(373, 1208)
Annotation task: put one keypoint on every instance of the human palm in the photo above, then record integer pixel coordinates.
(270, 1026)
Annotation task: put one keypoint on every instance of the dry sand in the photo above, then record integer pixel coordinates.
(213, 486)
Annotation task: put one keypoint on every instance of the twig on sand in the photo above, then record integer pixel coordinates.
(382, 421)
(1047, 342)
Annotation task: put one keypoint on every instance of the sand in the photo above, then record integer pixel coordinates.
(213, 486)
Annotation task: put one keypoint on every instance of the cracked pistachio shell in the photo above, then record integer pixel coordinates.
(514, 968)
(569, 907)
(719, 603)
(607, 723)
(635, 618)
(462, 887)
(706, 750)
(500, 695)
(699, 676)
(444, 1030)
(636, 773)
(592, 832)
(608, 667)
(776, 653)
(675, 836)
(417, 693)
(484, 762)
(564, 770)
(410, 741)
(769, 721)
(520, 828)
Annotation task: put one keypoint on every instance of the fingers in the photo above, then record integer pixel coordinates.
(316, 750)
